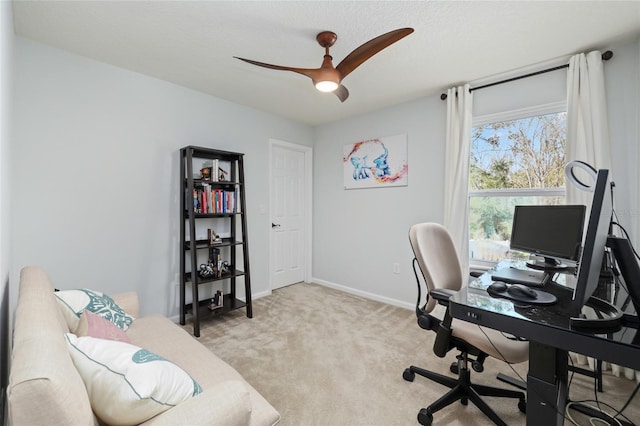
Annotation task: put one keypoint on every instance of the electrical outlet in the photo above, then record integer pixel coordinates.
(396, 268)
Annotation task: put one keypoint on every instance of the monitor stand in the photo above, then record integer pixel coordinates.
(548, 264)
(610, 318)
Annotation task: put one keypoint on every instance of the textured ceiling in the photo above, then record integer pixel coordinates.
(192, 44)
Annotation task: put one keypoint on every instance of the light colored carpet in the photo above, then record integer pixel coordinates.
(325, 357)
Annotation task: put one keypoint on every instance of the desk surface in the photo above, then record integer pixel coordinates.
(549, 325)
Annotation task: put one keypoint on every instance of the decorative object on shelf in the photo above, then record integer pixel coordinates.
(217, 301)
(213, 237)
(222, 175)
(205, 173)
(225, 267)
(376, 163)
(207, 270)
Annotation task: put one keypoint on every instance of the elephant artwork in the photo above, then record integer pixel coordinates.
(376, 163)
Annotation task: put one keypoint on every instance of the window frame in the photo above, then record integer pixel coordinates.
(516, 114)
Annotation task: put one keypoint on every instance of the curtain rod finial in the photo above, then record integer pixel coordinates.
(443, 97)
(607, 55)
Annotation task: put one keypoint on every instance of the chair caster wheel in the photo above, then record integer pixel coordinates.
(477, 367)
(522, 406)
(408, 375)
(454, 368)
(425, 418)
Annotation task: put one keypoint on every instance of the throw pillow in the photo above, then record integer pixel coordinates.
(73, 302)
(95, 326)
(126, 384)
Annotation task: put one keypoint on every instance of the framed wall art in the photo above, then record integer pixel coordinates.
(376, 163)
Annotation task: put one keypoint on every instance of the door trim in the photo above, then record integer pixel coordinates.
(308, 203)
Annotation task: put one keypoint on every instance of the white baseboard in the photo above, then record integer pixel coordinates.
(366, 294)
(261, 294)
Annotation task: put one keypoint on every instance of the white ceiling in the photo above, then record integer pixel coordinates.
(192, 43)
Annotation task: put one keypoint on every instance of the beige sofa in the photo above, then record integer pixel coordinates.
(46, 389)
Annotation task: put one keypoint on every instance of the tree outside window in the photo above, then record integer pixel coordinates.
(513, 162)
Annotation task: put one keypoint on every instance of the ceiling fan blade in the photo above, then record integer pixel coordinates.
(342, 93)
(309, 72)
(354, 59)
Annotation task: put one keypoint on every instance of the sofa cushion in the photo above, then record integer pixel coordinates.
(95, 326)
(228, 404)
(170, 341)
(127, 384)
(73, 302)
(158, 334)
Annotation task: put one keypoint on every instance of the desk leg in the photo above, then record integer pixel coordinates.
(546, 385)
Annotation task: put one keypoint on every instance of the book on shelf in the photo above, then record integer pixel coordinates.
(196, 201)
(209, 200)
(214, 171)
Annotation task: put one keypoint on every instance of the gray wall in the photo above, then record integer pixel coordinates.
(6, 67)
(359, 234)
(622, 75)
(96, 157)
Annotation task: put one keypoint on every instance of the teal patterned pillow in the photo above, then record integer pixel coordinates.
(73, 302)
(126, 384)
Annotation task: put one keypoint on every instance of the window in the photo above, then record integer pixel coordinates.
(515, 159)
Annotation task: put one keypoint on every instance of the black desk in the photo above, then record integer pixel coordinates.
(551, 338)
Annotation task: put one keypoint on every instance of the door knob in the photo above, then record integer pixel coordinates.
(275, 225)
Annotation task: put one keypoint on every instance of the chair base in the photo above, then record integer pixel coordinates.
(462, 390)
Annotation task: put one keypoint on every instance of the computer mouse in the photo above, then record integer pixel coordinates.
(498, 286)
(520, 290)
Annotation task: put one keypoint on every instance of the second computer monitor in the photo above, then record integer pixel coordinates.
(553, 232)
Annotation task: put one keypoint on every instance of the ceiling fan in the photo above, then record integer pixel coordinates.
(327, 78)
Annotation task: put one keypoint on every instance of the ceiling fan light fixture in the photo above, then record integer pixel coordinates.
(326, 86)
(328, 78)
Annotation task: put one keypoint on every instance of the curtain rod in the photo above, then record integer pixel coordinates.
(605, 57)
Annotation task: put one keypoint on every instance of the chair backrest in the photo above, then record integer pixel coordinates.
(436, 254)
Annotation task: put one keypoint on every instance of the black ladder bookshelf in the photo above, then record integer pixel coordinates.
(212, 203)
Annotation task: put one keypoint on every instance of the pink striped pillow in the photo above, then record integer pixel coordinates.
(95, 326)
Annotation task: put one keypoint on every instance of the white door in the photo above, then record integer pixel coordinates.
(288, 215)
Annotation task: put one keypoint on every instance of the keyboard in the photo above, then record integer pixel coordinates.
(520, 276)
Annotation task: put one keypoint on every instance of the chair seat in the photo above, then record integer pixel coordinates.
(497, 345)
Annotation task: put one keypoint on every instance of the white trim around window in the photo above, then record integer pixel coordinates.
(518, 192)
(517, 114)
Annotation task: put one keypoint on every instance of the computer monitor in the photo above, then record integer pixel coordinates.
(553, 232)
(595, 240)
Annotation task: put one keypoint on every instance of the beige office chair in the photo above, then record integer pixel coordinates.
(437, 259)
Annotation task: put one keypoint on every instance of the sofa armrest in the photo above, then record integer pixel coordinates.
(227, 404)
(128, 301)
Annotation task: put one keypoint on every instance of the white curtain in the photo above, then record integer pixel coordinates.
(588, 140)
(456, 181)
(587, 121)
